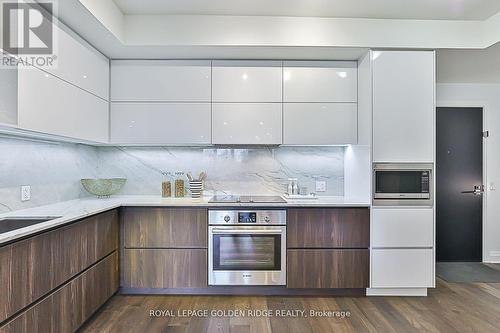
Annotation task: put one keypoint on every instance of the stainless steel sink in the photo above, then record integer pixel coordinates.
(13, 223)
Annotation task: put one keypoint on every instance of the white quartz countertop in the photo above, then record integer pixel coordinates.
(68, 211)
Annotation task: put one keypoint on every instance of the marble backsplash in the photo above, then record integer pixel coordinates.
(236, 171)
(53, 170)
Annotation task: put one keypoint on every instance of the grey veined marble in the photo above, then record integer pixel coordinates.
(236, 171)
(54, 170)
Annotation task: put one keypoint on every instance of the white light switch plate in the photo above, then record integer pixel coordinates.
(320, 186)
(25, 193)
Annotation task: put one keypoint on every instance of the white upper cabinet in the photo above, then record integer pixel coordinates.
(80, 64)
(319, 123)
(246, 123)
(161, 80)
(320, 81)
(160, 123)
(403, 106)
(246, 81)
(8, 95)
(49, 105)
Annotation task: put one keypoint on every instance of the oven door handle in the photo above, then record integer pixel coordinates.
(246, 231)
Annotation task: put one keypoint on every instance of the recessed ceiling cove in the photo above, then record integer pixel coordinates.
(380, 9)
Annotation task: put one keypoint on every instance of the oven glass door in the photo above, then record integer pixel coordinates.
(399, 181)
(244, 250)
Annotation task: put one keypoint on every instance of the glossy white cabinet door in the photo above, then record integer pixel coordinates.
(319, 123)
(49, 105)
(320, 81)
(80, 64)
(161, 80)
(160, 123)
(246, 81)
(8, 95)
(252, 123)
(403, 106)
(403, 227)
(402, 268)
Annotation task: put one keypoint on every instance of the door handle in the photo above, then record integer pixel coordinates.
(478, 190)
(247, 231)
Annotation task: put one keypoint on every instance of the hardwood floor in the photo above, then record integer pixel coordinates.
(451, 307)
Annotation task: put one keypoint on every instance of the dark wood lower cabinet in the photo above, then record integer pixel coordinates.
(160, 227)
(33, 267)
(69, 306)
(164, 268)
(328, 228)
(328, 268)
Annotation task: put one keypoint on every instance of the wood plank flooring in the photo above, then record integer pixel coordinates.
(451, 307)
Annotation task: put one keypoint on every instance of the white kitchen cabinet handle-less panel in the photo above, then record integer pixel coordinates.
(319, 123)
(78, 63)
(49, 105)
(403, 227)
(403, 106)
(246, 81)
(246, 123)
(160, 123)
(402, 268)
(161, 80)
(320, 81)
(8, 95)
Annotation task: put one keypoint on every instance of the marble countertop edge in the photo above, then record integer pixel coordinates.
(72, 210)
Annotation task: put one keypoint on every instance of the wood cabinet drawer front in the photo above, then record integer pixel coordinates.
(165, 227)
(165, 268)
(67, 308)
(328, 228)
(403, 227)
(33, 267)
(402, 268)
(322, 268)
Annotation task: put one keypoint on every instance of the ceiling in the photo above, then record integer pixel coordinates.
(165, 35)
(379, 9)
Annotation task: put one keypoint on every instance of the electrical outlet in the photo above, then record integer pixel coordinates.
(25, 193)
(320, 186)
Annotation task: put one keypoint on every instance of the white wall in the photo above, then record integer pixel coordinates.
(487, 96)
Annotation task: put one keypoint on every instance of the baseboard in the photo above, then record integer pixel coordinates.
(396, 292)
(246, 291)
(493, 257)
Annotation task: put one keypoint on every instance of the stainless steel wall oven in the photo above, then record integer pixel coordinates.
(247, 247)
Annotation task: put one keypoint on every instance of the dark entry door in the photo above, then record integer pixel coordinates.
(459, 167)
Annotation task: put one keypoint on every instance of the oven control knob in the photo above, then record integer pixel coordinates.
(227, 218)
(267, 219)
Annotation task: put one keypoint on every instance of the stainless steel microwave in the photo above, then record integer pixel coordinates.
(402, 184)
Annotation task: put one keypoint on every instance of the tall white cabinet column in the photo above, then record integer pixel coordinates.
(403, 237)
(403, 106)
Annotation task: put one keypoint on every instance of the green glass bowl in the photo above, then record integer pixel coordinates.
(103, 187)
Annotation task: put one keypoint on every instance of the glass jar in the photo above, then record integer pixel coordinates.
(179, 185)
(166, 185)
